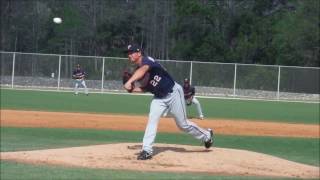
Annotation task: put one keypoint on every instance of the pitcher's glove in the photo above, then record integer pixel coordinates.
(125, 77)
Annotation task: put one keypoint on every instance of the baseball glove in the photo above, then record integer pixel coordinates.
(125, 77)
(189, 101)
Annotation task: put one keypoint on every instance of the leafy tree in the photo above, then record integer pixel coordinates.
(283, 32)
(296, 38)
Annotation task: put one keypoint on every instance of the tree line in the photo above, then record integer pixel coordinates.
(273, 32)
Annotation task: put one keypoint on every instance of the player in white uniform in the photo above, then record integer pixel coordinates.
(78, 76)
(167, 95)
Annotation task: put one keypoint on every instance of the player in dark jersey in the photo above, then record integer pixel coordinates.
(78, 75)
(167, 95)
(189, 92)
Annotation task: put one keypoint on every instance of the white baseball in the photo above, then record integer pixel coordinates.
(57, 20)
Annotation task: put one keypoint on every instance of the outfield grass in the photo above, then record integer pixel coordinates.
(139, 105)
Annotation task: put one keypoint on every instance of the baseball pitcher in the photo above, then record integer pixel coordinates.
(167, 95)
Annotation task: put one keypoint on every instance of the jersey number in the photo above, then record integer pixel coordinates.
(155, 81)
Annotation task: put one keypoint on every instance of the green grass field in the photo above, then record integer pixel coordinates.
(34, 172)
(128, 104)
(303, 150)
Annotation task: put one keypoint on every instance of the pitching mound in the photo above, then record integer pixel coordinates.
(170, 158)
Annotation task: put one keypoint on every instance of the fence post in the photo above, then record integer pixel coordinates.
(102, 75)
(278, 89)
(235, 79)
(13, 64)
(59, 70)
(190, 77)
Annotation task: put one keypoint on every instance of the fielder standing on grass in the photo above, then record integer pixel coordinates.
(189, 92)
(167, 93)
(78, 75)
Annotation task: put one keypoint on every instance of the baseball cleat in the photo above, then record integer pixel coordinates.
(209, 143)
(144, 155)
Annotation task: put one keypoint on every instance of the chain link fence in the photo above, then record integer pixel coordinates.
(104, 74)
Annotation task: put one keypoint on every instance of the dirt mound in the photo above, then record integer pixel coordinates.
(169, 158)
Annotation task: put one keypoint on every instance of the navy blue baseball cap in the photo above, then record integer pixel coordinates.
(132, 48)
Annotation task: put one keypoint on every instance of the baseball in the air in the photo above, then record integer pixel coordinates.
(57, 20)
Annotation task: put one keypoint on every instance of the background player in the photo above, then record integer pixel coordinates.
(189, 92)
(78, 75)
(167, 95)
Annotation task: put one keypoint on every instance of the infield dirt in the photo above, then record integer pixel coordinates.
(138, 123)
